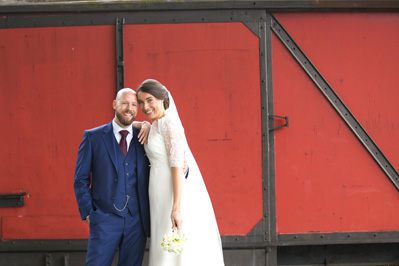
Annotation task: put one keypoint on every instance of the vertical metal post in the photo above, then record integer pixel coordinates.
(120, 63)
(269, 169)
(271, 256)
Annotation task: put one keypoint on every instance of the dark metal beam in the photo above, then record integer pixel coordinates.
(268, 107)
(338, 238)
(272, 5)
(120, 58)
(249, 17)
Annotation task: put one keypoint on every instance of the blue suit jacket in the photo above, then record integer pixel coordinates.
(96, 171)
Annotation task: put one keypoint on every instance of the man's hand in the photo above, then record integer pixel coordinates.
(88, 219)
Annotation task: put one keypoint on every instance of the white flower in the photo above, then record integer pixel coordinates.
(173, 242)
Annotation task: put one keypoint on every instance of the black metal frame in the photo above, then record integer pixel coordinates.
(12, 199)
(120, 56)
(270, 5)
(257, 17)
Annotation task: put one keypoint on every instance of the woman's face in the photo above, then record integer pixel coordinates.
(152, 107)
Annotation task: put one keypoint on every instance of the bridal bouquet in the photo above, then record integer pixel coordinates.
(173, 242)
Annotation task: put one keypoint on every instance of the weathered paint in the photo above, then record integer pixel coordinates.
(58, 81)
(55, 82)
(212, 70)
(325, 180)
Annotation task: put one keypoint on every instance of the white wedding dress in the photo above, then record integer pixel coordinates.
(166, 148)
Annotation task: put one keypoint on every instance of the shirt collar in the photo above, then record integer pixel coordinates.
(118, 128)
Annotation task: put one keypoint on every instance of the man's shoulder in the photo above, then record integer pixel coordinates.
(98, 129)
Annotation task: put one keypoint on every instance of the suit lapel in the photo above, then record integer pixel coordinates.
(109, 141)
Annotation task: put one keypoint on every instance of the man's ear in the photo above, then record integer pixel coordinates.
(114, 104)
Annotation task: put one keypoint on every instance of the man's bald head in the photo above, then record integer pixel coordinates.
(125, 106)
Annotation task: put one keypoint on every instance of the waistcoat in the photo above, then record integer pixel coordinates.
(126, 198)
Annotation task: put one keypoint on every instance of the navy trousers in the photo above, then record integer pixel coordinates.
(116, 234)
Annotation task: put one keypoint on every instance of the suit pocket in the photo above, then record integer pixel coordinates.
(96, 216)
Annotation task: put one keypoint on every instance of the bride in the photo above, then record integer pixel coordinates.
(176, 202)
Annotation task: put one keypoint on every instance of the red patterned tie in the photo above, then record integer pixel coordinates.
(123, 142)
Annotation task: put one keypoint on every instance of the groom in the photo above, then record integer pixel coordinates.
(111, 187)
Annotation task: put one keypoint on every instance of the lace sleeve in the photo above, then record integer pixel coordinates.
(173, 133)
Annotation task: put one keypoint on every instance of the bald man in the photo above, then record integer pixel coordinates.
(111, 187)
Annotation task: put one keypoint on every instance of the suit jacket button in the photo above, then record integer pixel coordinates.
(126, 163)
(113, 198)
(116, 180)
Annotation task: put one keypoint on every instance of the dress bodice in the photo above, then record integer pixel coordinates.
(156, 149)
(166, 143)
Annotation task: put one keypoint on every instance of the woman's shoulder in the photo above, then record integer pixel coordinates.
(169, 122)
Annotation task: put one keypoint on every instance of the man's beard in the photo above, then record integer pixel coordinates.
(124, 121)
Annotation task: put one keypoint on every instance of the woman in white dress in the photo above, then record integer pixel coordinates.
(176, 201)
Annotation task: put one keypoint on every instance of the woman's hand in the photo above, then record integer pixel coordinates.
(177, 220)
(144, 132)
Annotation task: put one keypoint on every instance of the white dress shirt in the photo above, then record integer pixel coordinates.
(118, 135)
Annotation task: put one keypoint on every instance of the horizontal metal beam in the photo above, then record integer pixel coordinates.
(43, 245)
(115, 6)
(338, 238)
(228, 242)
(248, 17)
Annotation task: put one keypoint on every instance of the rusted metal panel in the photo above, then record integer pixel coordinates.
(212, 69)
(326, 181)
(55, 82)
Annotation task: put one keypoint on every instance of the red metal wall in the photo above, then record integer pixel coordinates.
(212, 70)
(326, 181)
(54, 83)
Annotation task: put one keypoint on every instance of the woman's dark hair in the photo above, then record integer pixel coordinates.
(156, 89)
